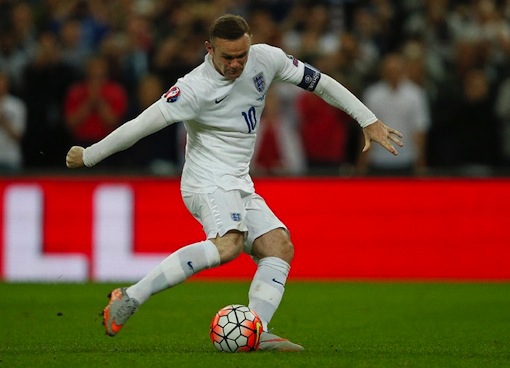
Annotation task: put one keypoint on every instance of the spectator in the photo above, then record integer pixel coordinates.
(432, 27)
(12, 126)
(444, 150)
(265, 28)
(24, 27)
(324, 131)
(483, 23)
(503, 113)
(91, 16)
(395, 98)
(95, 106)
(416, 55)
(476, 126)
(157, 153)
(367, 31)
(12, 59)
(169, 62)
(278, 148)
(311, 35)
(73, 52)
(350, 65)
(46, 80)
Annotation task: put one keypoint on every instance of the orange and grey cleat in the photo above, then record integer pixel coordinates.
(118, 311)
(268, 341)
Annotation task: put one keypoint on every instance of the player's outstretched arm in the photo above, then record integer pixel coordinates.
(375, 130)
(74, 157)
(382, 134)
(148, 122)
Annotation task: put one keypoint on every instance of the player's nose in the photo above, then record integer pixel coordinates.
(236, 64)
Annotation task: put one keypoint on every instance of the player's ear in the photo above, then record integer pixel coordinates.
(209, 47)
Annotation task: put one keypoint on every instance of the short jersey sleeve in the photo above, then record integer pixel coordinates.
(291, 70)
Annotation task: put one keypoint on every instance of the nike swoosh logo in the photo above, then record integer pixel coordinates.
(278, 282)
(218, 100)
(190, 265)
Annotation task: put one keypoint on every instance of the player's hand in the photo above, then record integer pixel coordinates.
(74, 158)
(382, 134)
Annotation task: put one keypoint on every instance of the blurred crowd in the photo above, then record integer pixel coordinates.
(71, 71)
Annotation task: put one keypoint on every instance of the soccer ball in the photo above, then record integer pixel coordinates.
(236, 328)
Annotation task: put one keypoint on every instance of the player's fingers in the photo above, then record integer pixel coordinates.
(386, 143)
(74, 157)
(69, 162)
(69, 158)
(389, 147)
(366, 147)
(396, 140)
(396, 132)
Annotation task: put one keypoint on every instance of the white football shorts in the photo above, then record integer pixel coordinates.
(222, 211)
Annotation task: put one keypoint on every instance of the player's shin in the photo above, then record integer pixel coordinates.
(175, 269)
(267, 287)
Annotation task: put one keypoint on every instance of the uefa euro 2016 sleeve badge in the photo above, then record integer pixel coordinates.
(172, 94)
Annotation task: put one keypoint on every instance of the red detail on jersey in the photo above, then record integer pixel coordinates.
(294, 60)
(172, 94)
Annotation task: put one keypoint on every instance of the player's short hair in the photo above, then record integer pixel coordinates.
(229, 27)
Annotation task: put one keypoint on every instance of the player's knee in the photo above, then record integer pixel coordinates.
(274, 244)
(229, 246)
(286, 250)
(230, 252)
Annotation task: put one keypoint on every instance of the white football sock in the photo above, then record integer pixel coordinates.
(176, 268)
(267, 287)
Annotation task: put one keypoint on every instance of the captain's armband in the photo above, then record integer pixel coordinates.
(311, 77)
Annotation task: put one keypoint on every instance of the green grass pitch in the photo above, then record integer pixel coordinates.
(340, 324)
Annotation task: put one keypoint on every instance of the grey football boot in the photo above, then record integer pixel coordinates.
(118, 311)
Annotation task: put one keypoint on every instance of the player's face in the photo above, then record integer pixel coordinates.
(229, 56)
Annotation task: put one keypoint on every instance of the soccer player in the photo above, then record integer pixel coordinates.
(220, 103)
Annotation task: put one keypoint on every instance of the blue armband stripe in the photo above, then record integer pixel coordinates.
(310, 79)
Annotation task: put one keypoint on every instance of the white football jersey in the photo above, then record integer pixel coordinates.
(222, 116)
